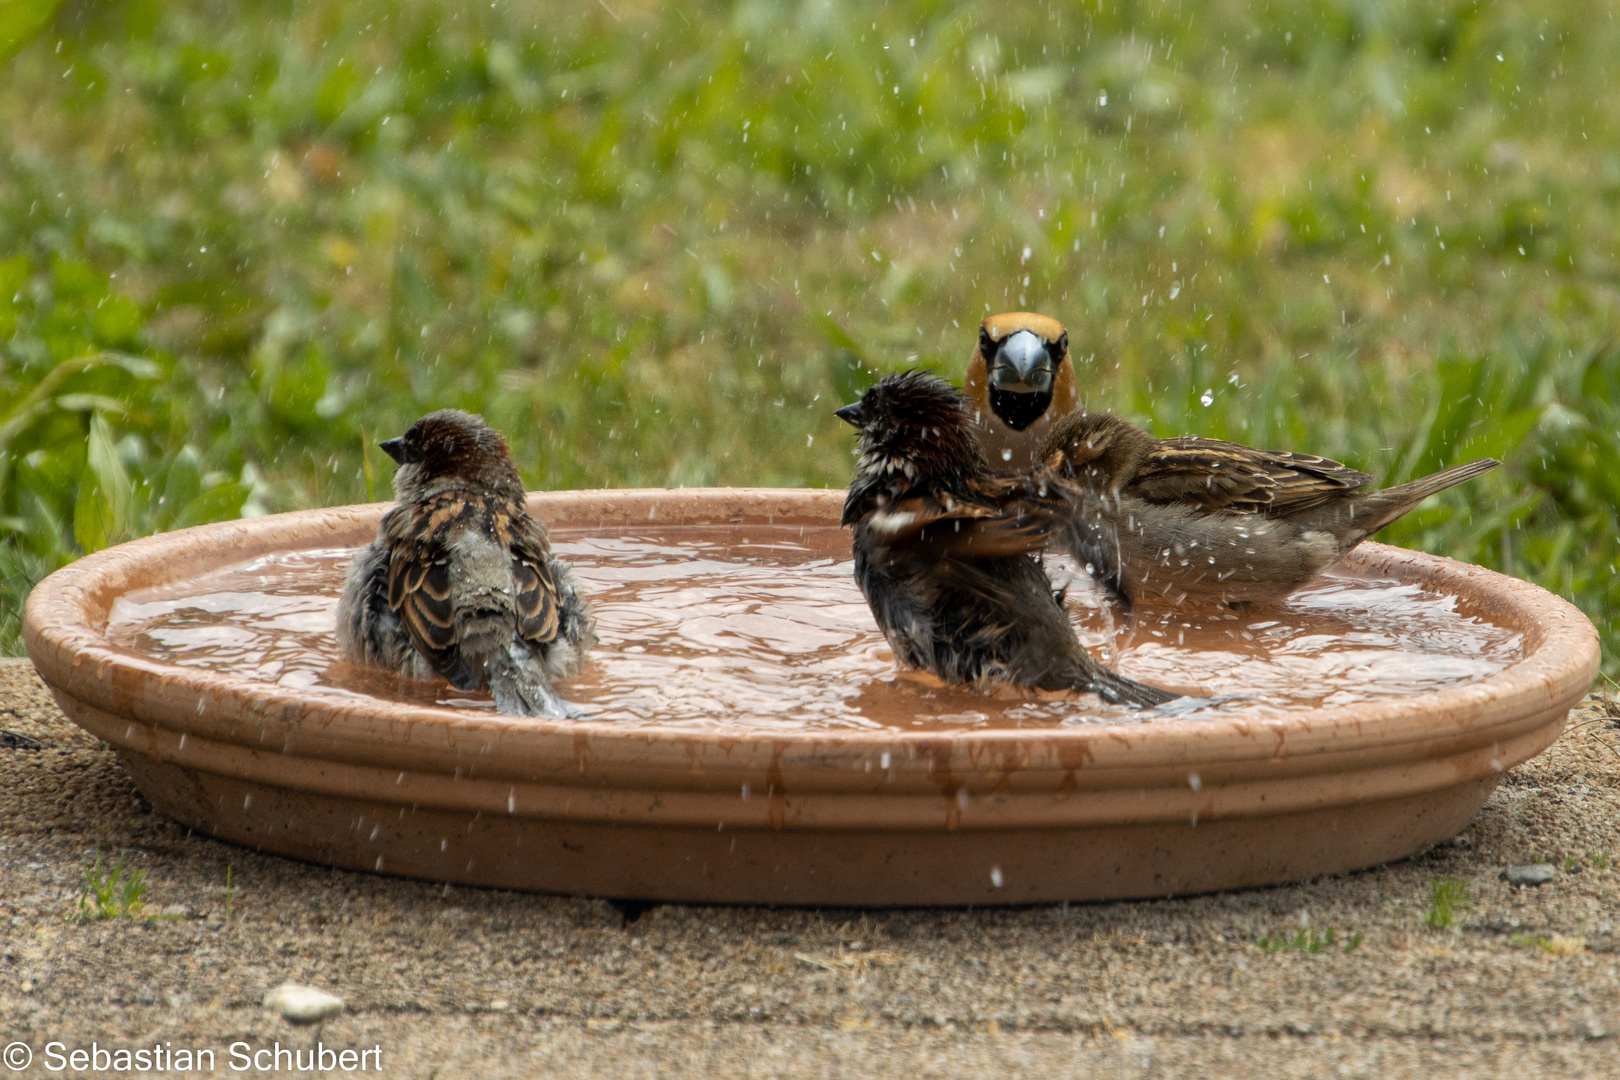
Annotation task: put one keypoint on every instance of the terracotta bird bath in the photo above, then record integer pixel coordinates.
(1133, 806)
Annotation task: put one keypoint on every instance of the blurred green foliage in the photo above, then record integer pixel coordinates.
(21, 21)
(95, 444)
(658, 243)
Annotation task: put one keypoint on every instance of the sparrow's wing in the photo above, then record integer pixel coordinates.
(536, 586)
(1228, 477)
(993, 518)
(419, 581)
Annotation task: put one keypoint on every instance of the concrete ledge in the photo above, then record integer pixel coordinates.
(475, 982)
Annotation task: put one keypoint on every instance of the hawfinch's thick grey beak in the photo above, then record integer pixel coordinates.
(1022, 365)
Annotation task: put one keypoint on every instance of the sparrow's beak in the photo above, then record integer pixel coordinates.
(852, 415)
(1022, 365)
(394, 448)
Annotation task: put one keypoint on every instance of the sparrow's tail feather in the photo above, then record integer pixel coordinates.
(1390, 503)
(521, 690)
(1111, 686)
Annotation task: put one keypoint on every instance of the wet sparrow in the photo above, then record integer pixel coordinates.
(1200, 521)
(944, 550)
(461, 581)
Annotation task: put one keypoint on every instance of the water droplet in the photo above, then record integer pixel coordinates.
(996, 878)
(1208, 397)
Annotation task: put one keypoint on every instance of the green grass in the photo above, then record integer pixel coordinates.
(1448, 902)
(1554, 944)
(1308, 941)
(658, 244)
(111, 894)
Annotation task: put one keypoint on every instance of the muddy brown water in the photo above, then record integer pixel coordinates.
(762, 627)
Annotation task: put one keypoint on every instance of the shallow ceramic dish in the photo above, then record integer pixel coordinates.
(826, 817)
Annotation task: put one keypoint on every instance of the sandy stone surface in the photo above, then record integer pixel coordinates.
(463, 982)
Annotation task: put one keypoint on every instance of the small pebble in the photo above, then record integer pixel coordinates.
(302, 1004)
(1534, 874)
(175, 911)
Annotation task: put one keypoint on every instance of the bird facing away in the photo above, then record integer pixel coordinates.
(1200, 521)
(943, 550)
(1019, 380)
(461, 581)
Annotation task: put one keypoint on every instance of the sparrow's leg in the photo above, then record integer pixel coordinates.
(1092, 539)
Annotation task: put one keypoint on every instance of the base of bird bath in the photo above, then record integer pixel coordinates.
(1182, 805)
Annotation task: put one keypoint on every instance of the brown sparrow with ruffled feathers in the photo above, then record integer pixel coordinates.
(1019, 381)
(1201, 521)
(461, 581)
(944, 550)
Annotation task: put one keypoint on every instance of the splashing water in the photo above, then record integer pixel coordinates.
(762, 627)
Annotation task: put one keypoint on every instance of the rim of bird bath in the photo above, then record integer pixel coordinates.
(868, 817)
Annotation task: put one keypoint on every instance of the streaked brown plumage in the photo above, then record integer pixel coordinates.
(461, 581)
(1018, 381)
(1202, 521)
(943, 550)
